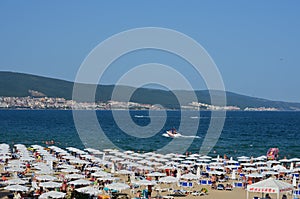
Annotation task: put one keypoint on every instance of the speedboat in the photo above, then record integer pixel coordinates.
(173, 133)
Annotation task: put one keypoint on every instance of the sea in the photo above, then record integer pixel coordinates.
(244, 133)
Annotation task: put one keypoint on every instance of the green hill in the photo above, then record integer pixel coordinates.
(19, 85)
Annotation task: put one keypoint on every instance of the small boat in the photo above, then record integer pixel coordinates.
(173, 133)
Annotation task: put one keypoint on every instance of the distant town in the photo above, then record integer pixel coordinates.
(35, 103)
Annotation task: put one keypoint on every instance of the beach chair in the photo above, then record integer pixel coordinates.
(209, 182)
(220, 187)
(203, 182)
(238, 184)
(296, 192)
(184, 184)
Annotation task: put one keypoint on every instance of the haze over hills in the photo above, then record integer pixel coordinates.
(21, 85)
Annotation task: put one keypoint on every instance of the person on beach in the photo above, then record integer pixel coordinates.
(268, 196)
(284, 196)
(138, 194)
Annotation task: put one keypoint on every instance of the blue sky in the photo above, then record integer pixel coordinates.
(255, 44)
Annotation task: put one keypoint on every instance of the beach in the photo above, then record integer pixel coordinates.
(42, 170)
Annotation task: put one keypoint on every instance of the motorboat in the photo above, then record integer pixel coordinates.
(173, 133)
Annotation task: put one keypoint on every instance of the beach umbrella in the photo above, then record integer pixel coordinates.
(279, 168)
(89, 190)
(189, 176)
(145, 182)
(70, 170)
(107, 178)
(50, 184)
(118, 186)
(214, 172)
(124, 172)
(65, 166)
(74, 176)
(284, 160)
(80, 182)
(100, 174)
(16, 188)
(168, 179)
(46, 178)
(15, 181)
(254, 175)
(52, 194)
(93, 169)
(156, 174)
(79, 161)
(44, 171)
(295, 159)
(269, 173)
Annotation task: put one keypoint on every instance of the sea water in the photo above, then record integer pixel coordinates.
(244, 133)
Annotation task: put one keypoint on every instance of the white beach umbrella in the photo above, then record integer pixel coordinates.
(108, 178)
(269, 173)
(79, 161)
(74, 176)
(93, 169)
(50, 184)
(16, 188)
(100, 174)
(279, 168)
(52, 194)
(89, 190)
(80, 182)
(295, 159)
(124, 172)
(118, 186)
(46, 178)
(65, 166)
(15, 181)
(168, 179)
(254, 175)
(145, 182)
(284, 160)
(215, 172)
(189, 176)
(156, 174)
(70, 170)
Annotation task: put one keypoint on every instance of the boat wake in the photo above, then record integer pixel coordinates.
(182, 136)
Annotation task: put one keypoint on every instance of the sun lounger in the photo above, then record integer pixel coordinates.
(238, 184)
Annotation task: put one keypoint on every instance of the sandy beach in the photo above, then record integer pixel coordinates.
(70, 170)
